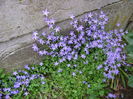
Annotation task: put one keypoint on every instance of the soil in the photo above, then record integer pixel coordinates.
(127, 93)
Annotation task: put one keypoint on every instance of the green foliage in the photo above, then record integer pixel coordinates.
(129, 51)
(129, 47)
(3, 79)
(86, 83)
(73, 79)
(71, 86)
(80, 80)
(124, 71)
(130, 81)
(3, 76)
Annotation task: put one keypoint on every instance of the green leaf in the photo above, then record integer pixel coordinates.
(92, 97)
(90, 72)
(3, 75)
(130, 81)
(123, 81)
(129, 38)
(1, 70)
(129, 48)
(101, 93)
(130, 55)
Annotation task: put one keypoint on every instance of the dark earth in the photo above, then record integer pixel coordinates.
(127, 93)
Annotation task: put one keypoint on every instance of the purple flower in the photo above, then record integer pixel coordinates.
(109, 75)
(75, 65)
(90, 15)
(50, 26)
(32, 68)
(76, 57)
(124, 57)
(89, 86)
(80, 72)
(106, 68)
(60, 70)
(118, 65)
(7, 97)
(41, 41)
(61, 60)
(45, 12)
(52, 21)
(49, 37)
(110, 95)
(69, 57)
(43, 82)
(44, 34)
(72, 16)
(18, 77)
(32, 77)
(42, 78)
(25, 72)
(73, 74)
(17, 85)
(84, 82)
(15, 73)
(27, 67)
(104, 80)
(86, 62)
(57, 29)
(23, 77)
(35, 48)
(83, 56)
(26, 82)
(126, 32)
(116, 71)
(68, 65)
(80, 28)
(72, 33)
(6, 89)
(118, 24)
(45, 52)
(94, 44)
(41, 63)
(40, 53)
(75, 25)
(47, 20)
(121, 30)
(15, 92)
(86, 50)
(26, 93)
(70, 42)
(35, 35)
(56, 63)
(99, 67)
(54, 46)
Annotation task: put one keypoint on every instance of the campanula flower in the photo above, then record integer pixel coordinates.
(72, 17)
(73, 74)
(45, 12)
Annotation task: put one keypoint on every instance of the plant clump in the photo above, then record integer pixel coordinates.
(78, 65)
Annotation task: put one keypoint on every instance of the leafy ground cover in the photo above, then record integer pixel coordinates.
(87, 63)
